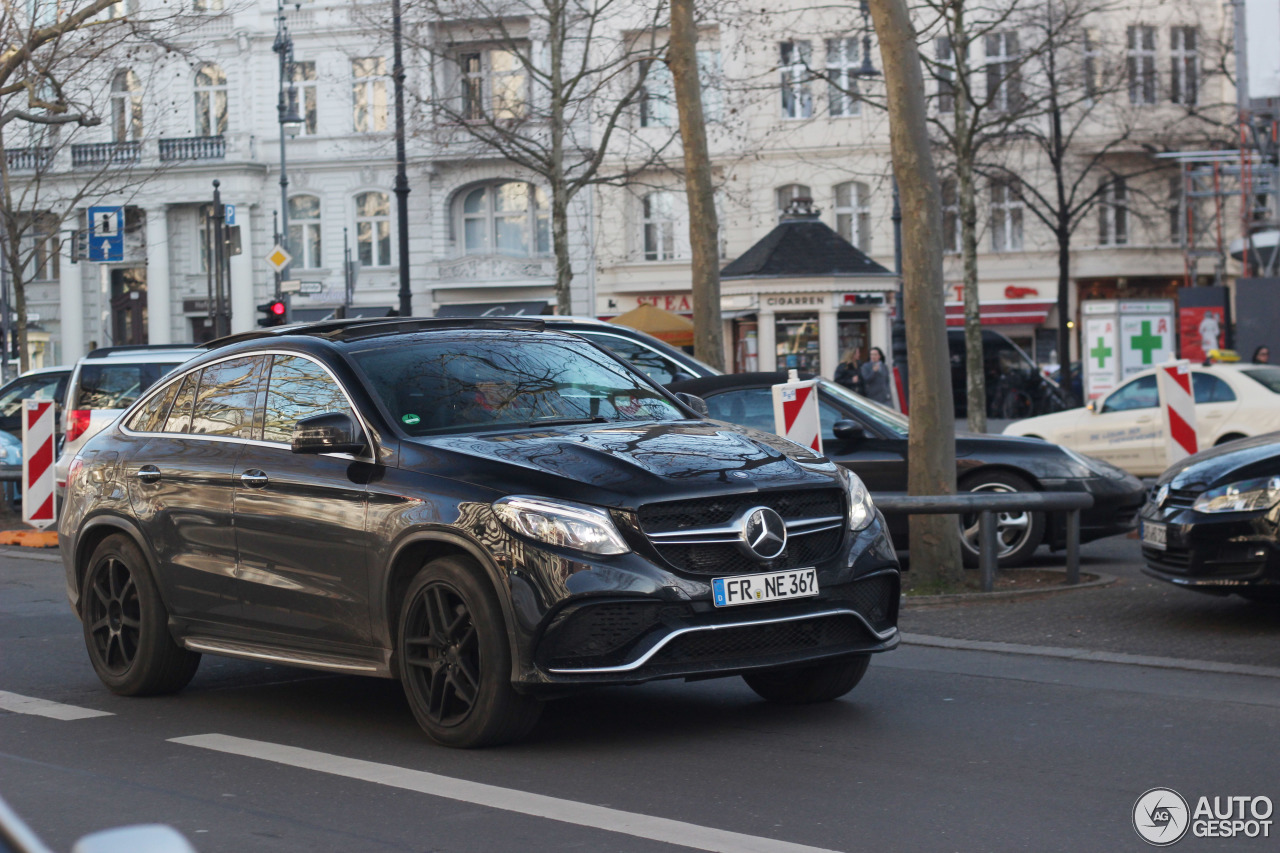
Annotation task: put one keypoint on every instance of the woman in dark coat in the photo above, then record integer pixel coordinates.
(847, 372)
(875, 378)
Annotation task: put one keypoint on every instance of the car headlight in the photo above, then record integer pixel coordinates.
(568, 525)
(1095, 467)
(1244, 496)
(861, 509)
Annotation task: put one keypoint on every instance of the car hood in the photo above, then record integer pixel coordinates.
(623, 464)
(1239, 460)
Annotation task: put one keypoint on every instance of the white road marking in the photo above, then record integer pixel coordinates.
(44, 708)
(537, 805)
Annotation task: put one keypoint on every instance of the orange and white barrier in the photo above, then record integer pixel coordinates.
(1178, 409)
(37, 463)
(795, 412)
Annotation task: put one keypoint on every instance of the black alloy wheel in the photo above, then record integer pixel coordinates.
(126, 625)
(455, 661)
(1018, 533)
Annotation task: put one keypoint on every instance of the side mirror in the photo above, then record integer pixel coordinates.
(848, 430)
(694, 402)
(1092, 406)
(332, 432)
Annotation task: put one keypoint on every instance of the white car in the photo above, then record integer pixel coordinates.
(1126, 428)
(105, 383)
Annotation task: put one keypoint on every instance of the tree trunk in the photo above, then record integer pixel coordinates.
(559, 187)
(931, 447)
(975, 368)
(1064, 296)
(704, 229)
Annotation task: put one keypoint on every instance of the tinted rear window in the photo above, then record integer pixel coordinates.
(115, 386)
(1268, 377)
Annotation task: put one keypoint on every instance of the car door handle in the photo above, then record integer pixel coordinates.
(148, 474)
(1145, 420)
(253, 478)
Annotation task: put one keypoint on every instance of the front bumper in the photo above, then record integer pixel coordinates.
(1215, 553)
(1116, 504)
(632, 619)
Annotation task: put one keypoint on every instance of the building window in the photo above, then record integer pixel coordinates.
(662, 225)
(1142, 65)
(369, 94)
(1113, 212)
(303, 75)
(511, 218)
(783, 196)
(1004, 77)
(853, 214)
(1090, 69)
(493, 84)
(1184, 72)
(797, 99)
(1006, 217)
(39, 252)
(304, 231)
(950, 216)
(843, 62)
(657, 96)
(945, 73)
(126, 107)
(373, 229)
(207, 5)
(211, 100)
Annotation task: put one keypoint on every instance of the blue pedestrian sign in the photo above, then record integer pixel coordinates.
(106, 233)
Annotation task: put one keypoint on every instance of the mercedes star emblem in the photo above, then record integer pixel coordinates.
(764, 533)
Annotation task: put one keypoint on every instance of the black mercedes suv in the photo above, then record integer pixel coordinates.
(487, 510)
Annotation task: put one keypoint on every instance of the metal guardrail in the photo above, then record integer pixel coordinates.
(987, 505)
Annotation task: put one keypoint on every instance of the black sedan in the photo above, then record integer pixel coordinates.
(1212, 522)
(871, 440)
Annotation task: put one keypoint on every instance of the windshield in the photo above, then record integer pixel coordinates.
(883, 417)
(1268, 377)
(492, 380)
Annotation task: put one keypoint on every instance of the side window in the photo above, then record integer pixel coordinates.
(180, 415)
(1138, 394)
(150, 418)
(227, 398)
(298, 388)
(1211, 389)
(750, 407)
(828, 414)
(656, 366)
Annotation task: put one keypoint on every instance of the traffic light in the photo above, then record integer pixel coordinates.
(272, 313)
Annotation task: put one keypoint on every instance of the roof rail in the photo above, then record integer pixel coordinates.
(367, 327)
(103, 352)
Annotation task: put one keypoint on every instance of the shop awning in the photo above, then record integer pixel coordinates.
(1002, 312)
(663, 325)
(494, 309)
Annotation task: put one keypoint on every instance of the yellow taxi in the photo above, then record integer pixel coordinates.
(1126, 428)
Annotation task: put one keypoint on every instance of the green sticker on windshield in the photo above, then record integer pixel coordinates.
(411, 419)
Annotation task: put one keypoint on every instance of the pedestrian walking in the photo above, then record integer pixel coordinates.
(875, 378)
(1261, 355)
(847, 371)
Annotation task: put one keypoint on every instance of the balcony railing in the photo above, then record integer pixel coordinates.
(28, 159)
(194, 148)
(105, 153)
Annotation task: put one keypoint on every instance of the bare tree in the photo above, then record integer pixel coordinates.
(557, 112)
(931, 452)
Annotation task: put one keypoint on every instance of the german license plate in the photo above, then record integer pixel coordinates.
(774, 586)
(1155, 535)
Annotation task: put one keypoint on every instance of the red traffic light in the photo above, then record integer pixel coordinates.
(277, 308)
(273, 313)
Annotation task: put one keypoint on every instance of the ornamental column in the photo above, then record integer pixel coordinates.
(159, 304)
(70, 305)
(243, 310)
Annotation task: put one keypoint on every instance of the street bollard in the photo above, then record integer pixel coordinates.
(988, 553)
(1073, 547)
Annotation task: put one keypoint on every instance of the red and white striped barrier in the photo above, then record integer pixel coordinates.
(1178, 409)
(37, 463)
(795, 413)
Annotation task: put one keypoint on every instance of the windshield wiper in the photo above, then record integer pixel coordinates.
(598, 419)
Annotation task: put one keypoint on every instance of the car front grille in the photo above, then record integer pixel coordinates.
(742, 645)
(1181, 498)
(663, 522)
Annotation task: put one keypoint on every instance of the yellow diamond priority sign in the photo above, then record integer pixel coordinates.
(279, 258)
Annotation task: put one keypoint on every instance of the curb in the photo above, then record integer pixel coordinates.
(1188, 664)
(30, 538)
(1099, 579)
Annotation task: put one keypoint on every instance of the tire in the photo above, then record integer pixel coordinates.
(455, 661)
(805, 685)
(1020, 534)
(1265, 595)
(126, 625)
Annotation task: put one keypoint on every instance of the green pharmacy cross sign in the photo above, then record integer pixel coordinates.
(1101, 352)
(1146, 342)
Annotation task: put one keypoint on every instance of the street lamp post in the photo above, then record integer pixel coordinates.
(290, 124)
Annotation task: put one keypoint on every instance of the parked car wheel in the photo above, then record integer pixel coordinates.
(806, 685)
(126, 625)
(455, 663)
(1018, 534)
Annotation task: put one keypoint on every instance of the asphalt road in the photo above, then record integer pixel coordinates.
(938, 749)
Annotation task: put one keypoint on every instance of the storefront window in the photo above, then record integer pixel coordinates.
(855, 334)
(746, 358)
(797, 339)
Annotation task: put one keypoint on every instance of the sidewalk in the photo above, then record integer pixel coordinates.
(1135, 616)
